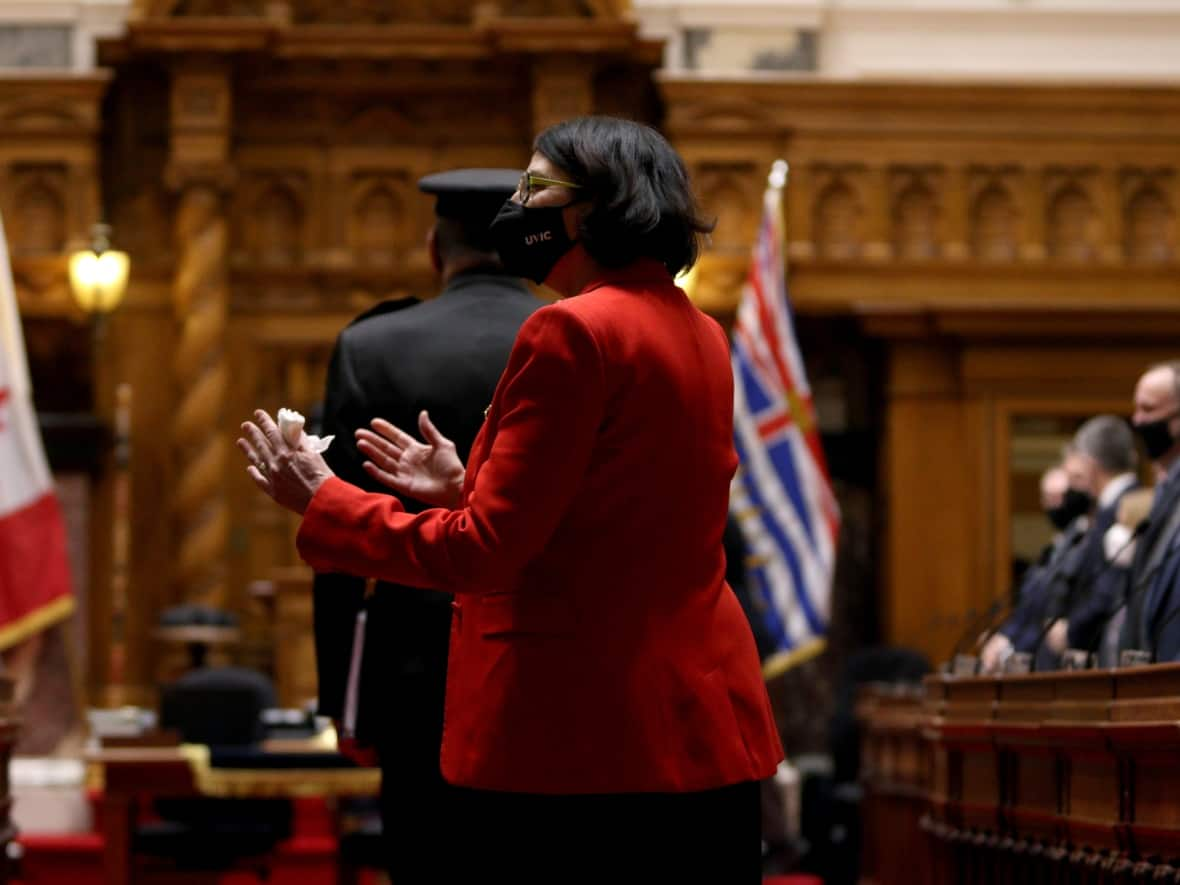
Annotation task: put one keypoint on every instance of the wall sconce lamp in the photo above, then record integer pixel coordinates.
(98, 275)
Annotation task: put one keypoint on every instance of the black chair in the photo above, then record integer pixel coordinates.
(221, 707)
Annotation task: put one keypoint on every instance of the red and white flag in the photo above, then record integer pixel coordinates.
(34, 568)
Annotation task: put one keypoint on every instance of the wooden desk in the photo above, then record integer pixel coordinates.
(1044, 777)
(127, 775)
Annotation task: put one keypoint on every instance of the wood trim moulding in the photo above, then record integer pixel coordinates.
(570, 35)
(395, 42)
(1021, 288)
(1002, 319)
(186, 35)
(1060, 112)
(488, 39)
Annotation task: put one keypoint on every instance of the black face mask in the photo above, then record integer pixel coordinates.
(1060, 517)
(1156, 436)
(1077, 503)
(530, 240)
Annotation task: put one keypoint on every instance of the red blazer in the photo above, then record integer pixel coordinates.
(596, 647)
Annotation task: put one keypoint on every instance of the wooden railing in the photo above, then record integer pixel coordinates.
(1044, 777)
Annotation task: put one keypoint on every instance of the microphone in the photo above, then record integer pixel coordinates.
(987, 620)
(1141, 585)
(975, 623)
(1053, 577)
(1089, 580)
(1004, 602)
(1058, 574)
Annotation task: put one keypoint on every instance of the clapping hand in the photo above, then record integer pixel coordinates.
(430, 472)
(289, 474)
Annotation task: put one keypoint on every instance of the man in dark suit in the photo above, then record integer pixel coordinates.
(1150, 594)
(442, 357)
(1101, 469)
(1019, 631)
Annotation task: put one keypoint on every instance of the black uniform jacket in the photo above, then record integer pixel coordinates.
(444, 355)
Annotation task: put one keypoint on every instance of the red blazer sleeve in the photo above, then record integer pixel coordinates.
(547, 411)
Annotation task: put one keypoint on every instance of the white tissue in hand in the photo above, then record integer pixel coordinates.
(291, 425)
(1117, 546)
(291, 428)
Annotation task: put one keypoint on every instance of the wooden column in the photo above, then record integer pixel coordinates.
(798, 198)
(926, 476)
(199, 175)
(955, 246)
(1031, 200)
(878, 237)
(1110, 211)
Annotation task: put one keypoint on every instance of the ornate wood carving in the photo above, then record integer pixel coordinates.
(994, 223)
(48, 181)
(377, 228)
(201, 376)
(272, 227)
(454, 12)
(1073, 229)
(199, 151)
(724, 191)
(914, 217)
(1150, 229)
(38, 225)
(837, 223)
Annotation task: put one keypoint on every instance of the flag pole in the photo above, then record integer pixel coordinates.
(777, 178)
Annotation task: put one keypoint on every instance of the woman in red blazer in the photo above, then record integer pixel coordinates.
(604, 695)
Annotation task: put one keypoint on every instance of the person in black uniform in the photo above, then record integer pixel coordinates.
(434, 365)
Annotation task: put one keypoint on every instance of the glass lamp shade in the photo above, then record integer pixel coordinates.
(99, 279)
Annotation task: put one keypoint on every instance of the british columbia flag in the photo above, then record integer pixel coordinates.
(781, 495)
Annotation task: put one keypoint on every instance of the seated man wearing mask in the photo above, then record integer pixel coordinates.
(1101, 466)
(1146, 593)
(1063, 506)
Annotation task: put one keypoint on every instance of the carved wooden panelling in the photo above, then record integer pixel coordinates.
(725, 193)
(838, 221)
(1073, 229)
(915, 219)
(993, 220)
(272, 227)
(218, 8)
(455, 12)
(38, 223)
(1150, 225)
(377, 221)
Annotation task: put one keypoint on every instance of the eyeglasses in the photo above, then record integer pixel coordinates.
(528, 180)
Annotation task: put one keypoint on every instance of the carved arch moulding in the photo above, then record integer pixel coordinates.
(993, 215)
(37, 221)
(1149, 207)
(378, 228)
(271, 219)
(726, 190)
(1073, 223)
(915, 212)
(837, 212)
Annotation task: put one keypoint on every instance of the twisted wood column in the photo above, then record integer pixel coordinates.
(200, 445)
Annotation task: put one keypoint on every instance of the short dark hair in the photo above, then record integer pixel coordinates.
(1108, 440)
(641, 203)
(464, 238)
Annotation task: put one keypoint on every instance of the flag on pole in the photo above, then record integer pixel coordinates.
(781, 495)
(34, 569)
